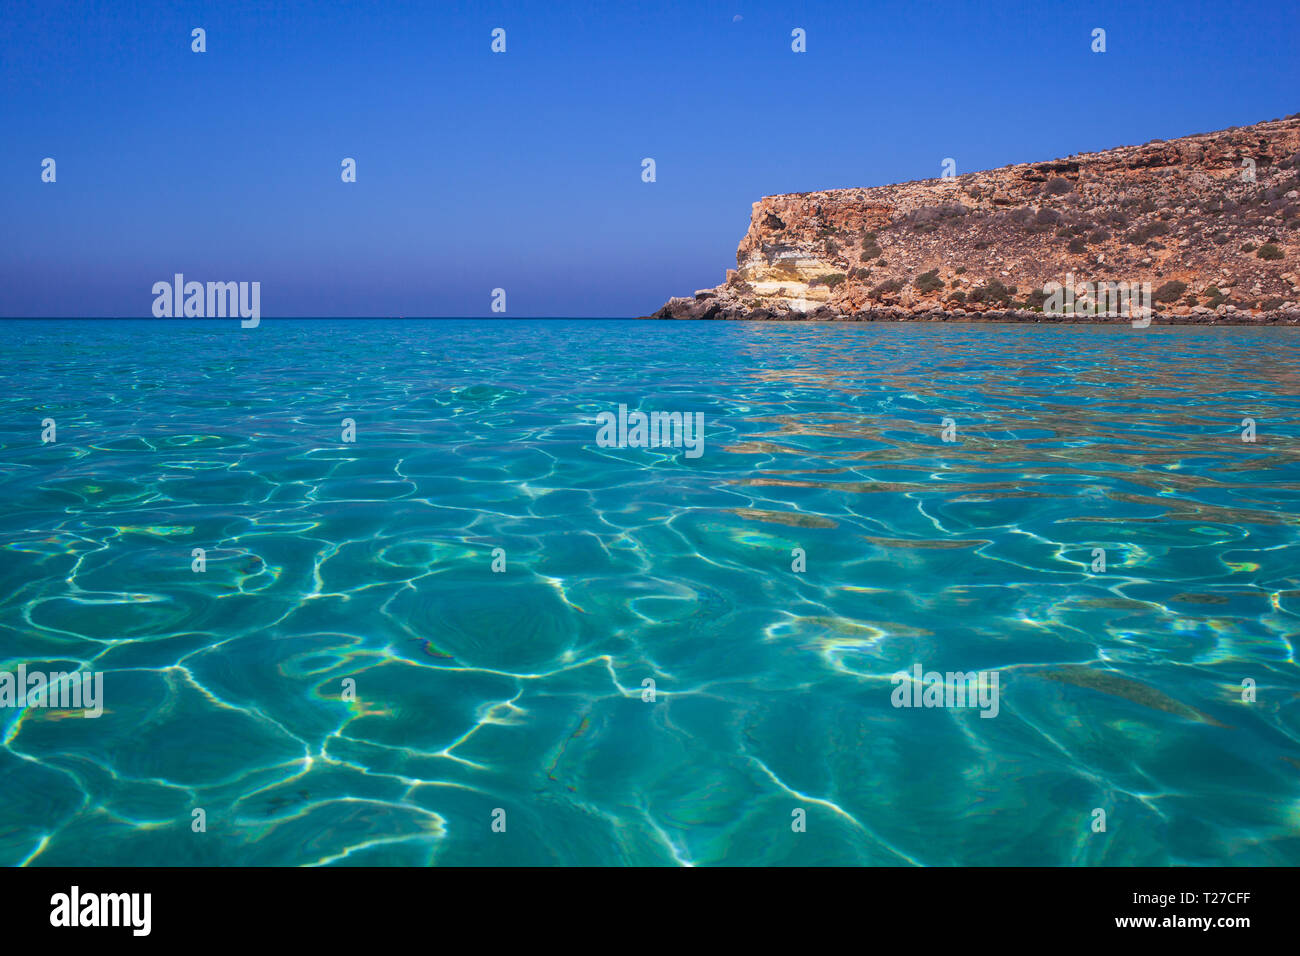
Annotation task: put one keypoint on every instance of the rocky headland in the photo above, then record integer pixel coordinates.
(1211, 221)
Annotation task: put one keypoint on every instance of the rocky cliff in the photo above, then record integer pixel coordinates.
(1211, 221)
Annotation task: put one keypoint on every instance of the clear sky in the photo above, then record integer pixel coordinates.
(522, 170)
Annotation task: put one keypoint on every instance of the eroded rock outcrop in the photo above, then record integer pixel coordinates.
(1211, 221)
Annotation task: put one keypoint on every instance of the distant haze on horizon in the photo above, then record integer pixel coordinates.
(522, 170)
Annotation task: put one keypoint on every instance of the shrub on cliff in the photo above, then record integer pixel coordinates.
(1035, 298)
(958, 297)
(1269, 305)
(992, 292)
(1269, 251)
(928, 218)
(1170, 291)
(832, 280)
(831, 249)
(888, 287)
(928, 282)
(1078, 244)
(870, 252)
(1058, 186)
(1143, 233)
(1213, 297)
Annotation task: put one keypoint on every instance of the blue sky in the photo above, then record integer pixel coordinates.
(522, 170)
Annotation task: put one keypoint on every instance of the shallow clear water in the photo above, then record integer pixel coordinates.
(522, 689)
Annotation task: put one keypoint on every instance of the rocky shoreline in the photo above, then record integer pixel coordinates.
(1207, 225)
(680, 308)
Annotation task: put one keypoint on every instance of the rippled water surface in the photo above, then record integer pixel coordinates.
(522, 690)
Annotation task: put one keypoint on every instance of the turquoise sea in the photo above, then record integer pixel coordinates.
(502, 716)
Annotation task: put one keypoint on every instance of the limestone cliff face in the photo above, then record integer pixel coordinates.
(1211, 221)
